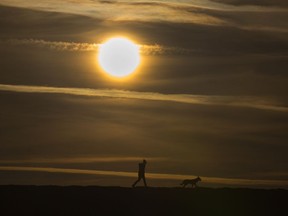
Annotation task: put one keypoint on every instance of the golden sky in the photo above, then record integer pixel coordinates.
(209, 98)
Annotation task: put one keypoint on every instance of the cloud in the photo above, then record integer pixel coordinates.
(88, 47)
(54, 45)
(211, 180)
(278, 3)
(95, 159)
(161, 50)
(172, 11)
(233, 101)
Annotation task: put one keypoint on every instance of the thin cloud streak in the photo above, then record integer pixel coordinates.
(80, 160)
(233, 101)
(63, 46)
(211, 180)
(262, 3)
(55, 45)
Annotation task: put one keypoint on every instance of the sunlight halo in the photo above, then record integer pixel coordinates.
(119, 57)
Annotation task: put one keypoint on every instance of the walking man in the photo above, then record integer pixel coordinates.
(141, 173)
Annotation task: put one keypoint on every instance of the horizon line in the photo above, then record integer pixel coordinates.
(211, 180)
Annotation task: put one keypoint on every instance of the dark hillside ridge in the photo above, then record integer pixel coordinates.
(96, 200)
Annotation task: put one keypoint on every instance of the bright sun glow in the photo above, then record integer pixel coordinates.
(119, 57)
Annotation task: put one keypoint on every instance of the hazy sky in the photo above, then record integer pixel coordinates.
(209, 98)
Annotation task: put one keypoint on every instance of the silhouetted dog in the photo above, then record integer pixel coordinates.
(193, 182)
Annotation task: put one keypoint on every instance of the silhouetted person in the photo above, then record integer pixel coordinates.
(141, 173)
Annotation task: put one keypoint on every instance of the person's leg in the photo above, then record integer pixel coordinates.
(136, 182)
(144, 180)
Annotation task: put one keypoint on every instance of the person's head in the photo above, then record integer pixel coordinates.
(144, 161)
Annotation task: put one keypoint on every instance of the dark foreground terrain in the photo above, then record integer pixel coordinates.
(93, 200)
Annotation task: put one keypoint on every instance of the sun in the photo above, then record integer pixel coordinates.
(119, 57)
